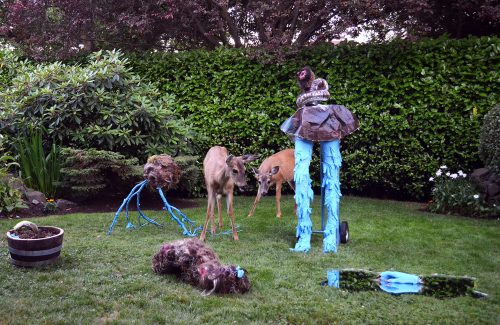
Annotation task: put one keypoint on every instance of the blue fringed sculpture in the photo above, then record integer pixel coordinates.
(160, 172)
(326, 124)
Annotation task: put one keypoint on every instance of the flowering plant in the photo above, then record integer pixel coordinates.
(454, 193)
(50, 206)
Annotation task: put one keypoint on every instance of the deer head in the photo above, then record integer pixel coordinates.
(235, 168)
(265, 179)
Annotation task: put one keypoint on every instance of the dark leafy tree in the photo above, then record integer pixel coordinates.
(58, 29)
(47, 29)
(432, 18)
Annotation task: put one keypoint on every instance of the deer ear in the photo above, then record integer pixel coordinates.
(275, 170)
(248, 158)
(256, 172)
(229, 158)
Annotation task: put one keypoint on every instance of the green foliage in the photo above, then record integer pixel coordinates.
(100, 105)
(453, 193)
(39, 171)
(419, 103)
(489, 146)
(88, 173)
(51, 206)
(191, 181)
(9, 63)
(10, 198)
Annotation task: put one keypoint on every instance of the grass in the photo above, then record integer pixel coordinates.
(101, 279)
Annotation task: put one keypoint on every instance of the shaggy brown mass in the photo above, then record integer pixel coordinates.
(195, 263)
(162, 171)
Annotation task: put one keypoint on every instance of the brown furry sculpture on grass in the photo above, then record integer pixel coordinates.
(162, 171)
(197, 264)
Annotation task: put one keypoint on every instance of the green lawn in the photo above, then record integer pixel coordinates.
(103, 278)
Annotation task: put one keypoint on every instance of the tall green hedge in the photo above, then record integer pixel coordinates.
(420, 103)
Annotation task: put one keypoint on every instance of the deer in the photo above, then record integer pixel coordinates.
(222, 172)
(275, 169)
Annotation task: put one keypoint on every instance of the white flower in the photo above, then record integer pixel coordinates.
(443, 167)
(453, 176)
(431, 179)
(438, 173)
(81, 46)
(448, 174)
(476, 196)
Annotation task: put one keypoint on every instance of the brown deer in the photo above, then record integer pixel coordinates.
(222, 171)
(276, 169)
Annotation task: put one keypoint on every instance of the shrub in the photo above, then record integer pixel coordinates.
(420, 104)
(191, 182)
(454, 193)
(88, 173)
(100, 105)
(10, 198)
(9, 63)
(489, 145)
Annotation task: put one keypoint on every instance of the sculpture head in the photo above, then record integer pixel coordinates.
(313, 90)
(305, 77)
(222, 278)
(162, 171)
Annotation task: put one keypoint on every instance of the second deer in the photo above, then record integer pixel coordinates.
(275, 169)
(222, 171)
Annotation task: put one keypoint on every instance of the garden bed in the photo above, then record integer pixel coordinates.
(109, 203)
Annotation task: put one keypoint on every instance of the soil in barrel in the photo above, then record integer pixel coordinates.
(24, 233)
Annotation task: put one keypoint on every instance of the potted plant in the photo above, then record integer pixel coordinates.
(31, 245)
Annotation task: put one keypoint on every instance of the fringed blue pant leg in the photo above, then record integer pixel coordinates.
(331, 160)
(303, 194)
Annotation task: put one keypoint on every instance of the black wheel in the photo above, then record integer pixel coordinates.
(344, 232)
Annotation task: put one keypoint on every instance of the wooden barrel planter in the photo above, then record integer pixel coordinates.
(35, 252)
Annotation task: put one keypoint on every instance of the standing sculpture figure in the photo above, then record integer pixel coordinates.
(326, 124)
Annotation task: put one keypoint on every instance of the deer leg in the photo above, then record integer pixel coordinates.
(278, 199)
(230, 212)
(292, 185)
(257, 199)
(209, 215)
(219, 211)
